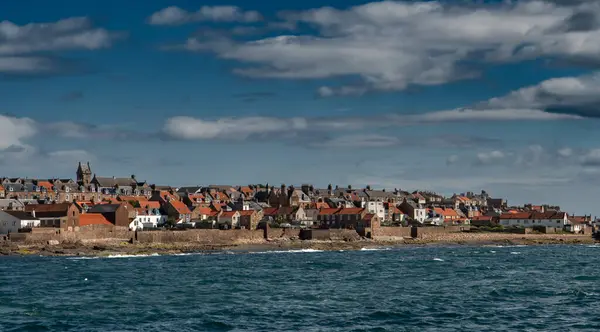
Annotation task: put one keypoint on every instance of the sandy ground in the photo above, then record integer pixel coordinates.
(119, 247)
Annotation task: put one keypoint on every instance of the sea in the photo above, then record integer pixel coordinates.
(483, 288)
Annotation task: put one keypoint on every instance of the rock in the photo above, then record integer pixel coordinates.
(53, 242)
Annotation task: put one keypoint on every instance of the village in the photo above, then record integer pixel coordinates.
(92, 202)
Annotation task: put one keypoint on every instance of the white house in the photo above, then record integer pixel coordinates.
(148, 218)
(375, 207)
(531, 219)
(12, 221)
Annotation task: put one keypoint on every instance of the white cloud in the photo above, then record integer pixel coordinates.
(490, 157)
(575, 95)
(490, 115)
(176, 16)
(19, 43)
(452, 159)
(591, 158)
(565, 152)
(183, 127)
(387, 44)
(13, 131)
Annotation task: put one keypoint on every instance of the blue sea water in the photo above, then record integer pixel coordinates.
(539, 288)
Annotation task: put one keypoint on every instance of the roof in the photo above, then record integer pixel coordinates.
(350, 211)
(204, 210)
(228, 214)
(150, 205)
(327, 211)
(45, 184)
(516, 215)
(180, 207)
(368, 216)
(61, 207)
(247, 212)
(87, 219)
(482, 218)
(22, 215)
(270, 211)
(112, 181)
(104, 208)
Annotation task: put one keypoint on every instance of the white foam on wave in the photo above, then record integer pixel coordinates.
(287, 251)
(438, 259)
(493, 251)
(374, 249)
(114, 256)
(515, 253)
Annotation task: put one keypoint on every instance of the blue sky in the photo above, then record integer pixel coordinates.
(448, 96)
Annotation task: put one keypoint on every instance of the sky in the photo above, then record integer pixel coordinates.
(449, 96)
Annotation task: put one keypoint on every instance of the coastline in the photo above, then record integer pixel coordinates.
(115, 247)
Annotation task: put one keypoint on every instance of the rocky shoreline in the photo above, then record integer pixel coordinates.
(112, 247)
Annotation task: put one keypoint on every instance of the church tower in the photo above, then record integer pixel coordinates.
(84, 174)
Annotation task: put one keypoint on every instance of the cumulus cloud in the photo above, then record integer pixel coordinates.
(387, 45)
(490, 157)
(567, 95)
(13, 132)
(22, 46)
(176, 16)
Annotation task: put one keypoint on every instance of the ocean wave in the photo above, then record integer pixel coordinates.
(114, 256)
(287, 251)
(375, 249)
(438, 259)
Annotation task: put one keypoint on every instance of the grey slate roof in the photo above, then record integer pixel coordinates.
(22, 215)
(111, 182)
(190, 190)
(104, 208)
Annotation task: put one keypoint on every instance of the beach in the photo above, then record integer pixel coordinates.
(108, 247)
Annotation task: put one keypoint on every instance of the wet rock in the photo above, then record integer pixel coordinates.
(53, 242)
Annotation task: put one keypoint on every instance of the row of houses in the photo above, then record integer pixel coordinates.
(128, 202)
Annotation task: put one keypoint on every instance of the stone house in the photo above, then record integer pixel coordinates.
(249, 219)
(229, 218)
(118, 214)
(414, 210)
(61, 215)
(178, 211)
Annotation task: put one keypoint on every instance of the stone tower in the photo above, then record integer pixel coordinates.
(84, 174)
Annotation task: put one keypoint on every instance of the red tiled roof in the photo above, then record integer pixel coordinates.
(516, 215)
(93, 219)
(180, 207)
(228, 214)
(482, 218)
(328, 211)
(271, 211)
(246, 212)
(368, 216)
(150, 205)
(45, 184)
(350, 211)
(204, 210)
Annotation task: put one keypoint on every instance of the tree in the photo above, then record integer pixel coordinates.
(135, 204)
(171, 221)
